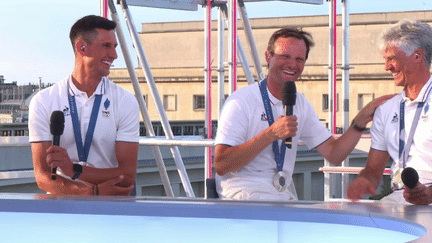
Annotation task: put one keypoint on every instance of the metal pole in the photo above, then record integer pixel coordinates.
(156, 98)
(104, 8)
(232, 35)
(334, 67)
(327, 178)
(207, 84)
(144, 112)
(250, 39)
(345, 84)
(221, 57)
(241, 56)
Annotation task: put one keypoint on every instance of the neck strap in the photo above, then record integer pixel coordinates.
(83, 150)
(279, 155)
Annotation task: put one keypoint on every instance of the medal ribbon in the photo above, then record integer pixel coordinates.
(83, 151)
(279, 155)
(404, 149)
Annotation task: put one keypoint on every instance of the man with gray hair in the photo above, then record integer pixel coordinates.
(402, 128)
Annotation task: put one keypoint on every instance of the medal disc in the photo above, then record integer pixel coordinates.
(279, 181)
(397, 179)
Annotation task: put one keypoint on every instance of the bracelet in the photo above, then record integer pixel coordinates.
(357, 128)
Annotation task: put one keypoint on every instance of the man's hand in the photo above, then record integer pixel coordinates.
(366, 114)
(110, 187)
(58, 157)
(359, 187)
(419, 195)
(285, 127)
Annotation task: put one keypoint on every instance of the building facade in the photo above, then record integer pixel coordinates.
(175, 53)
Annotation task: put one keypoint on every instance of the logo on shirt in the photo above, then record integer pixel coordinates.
(106, 113)
(395, 118)
(425, 116)
(66, 111)
(263, 117)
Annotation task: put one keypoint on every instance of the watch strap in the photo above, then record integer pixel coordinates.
(77, 168)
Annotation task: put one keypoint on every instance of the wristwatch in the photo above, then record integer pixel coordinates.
(77, 169)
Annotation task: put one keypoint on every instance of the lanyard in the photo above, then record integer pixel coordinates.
(279, 155)
(404, 149)
(83, 151)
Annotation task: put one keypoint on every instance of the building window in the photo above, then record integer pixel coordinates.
(198, 102)
(188, 130)
(143, 132)
(199, 130)
(364, 99)
(326, 102)
(177, 130)
(160, 132)
(145, 97)
(169, 102)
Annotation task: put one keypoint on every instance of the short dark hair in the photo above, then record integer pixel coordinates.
(291, 32)
(85, 28)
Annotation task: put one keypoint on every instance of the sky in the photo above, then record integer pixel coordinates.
(34, 35)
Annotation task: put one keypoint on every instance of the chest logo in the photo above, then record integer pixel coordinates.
(395, 118)
(263, 117)
(66, 111)
(106, 113)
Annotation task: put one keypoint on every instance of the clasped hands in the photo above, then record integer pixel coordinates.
(58, 157)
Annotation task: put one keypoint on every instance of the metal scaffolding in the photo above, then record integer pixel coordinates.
(227, 15)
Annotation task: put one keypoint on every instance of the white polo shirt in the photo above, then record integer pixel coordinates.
(242, 118)
(118, 119)
(385, 131)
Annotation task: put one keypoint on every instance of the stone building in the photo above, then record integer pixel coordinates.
(175, 53)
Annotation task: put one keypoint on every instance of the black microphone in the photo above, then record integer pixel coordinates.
(288, 100)
(410, 177)
(56, 127)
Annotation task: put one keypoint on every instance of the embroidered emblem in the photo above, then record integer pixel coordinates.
(66, 111)
(395, 118)
(263, 117)
(106, 113)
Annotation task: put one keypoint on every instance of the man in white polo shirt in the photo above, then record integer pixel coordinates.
(99, 146)
(402, 127)
(250, 160)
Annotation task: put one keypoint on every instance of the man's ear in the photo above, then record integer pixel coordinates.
(80, 47)
(267, 56)
(418, 54)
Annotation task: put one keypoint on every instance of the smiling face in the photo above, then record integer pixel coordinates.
(100, 54)
(287, 62)
(400, 65)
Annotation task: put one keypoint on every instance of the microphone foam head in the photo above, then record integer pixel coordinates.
(289, 91)
(410, 177)
(57, 123)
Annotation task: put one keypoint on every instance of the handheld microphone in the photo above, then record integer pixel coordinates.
(410, 177)
(288, 100)
(56, 127)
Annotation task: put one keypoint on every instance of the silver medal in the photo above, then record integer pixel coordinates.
(397, 182)
(280, 181)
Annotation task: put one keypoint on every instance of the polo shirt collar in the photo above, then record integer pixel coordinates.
(273, 100)
(422, 97)
(100, 89)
